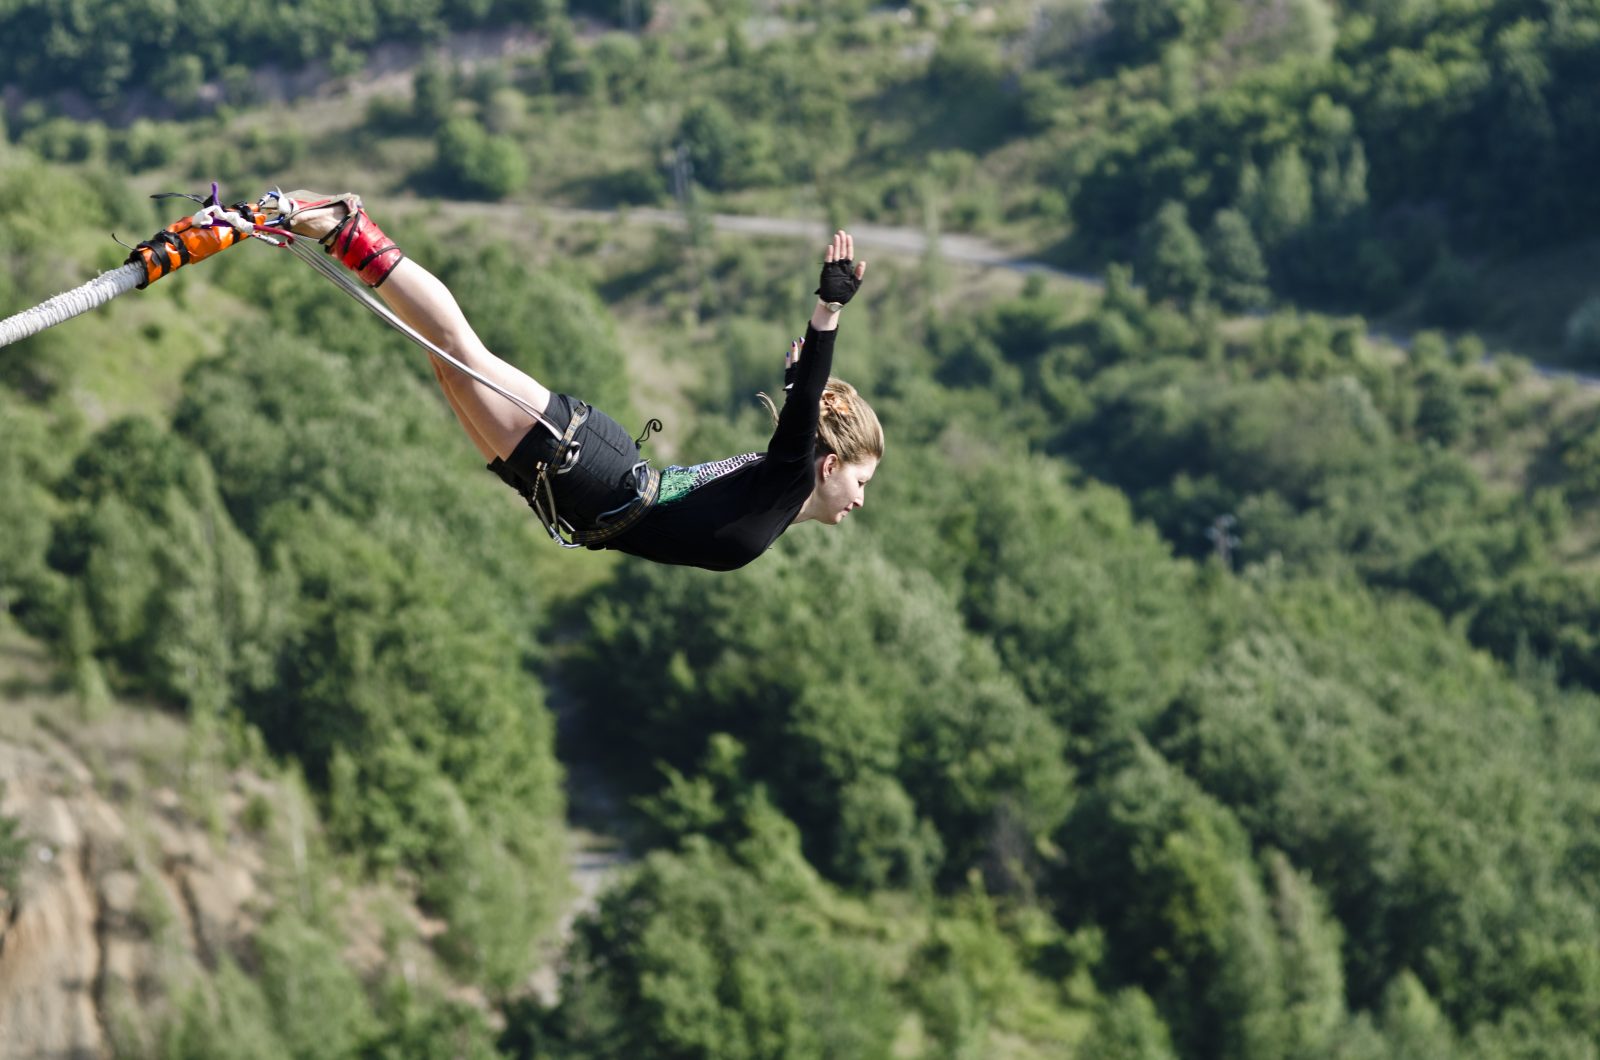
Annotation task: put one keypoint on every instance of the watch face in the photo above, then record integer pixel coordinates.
(833, 307)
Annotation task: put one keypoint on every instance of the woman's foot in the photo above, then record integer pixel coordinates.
(342, 226)
(311, 213)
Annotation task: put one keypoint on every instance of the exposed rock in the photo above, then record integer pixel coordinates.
(124, 895)
(49, 954)
(145, 869)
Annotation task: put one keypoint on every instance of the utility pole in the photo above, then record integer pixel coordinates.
(696, 223)
(1223, 539)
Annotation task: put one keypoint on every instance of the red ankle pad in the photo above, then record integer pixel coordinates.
(362, 246)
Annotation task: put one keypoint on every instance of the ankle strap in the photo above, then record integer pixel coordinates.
(362, 246)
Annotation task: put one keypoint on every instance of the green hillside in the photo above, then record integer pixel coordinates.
(1211, 673)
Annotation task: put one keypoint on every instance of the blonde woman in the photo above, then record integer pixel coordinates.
(581, 472)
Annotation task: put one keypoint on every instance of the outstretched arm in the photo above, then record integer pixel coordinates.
(810, 361)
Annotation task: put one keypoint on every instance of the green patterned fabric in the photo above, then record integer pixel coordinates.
(675, 482)
(678, 482)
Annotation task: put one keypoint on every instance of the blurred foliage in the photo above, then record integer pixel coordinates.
(100, 50)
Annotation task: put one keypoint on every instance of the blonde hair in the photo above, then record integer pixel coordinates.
(847, 426)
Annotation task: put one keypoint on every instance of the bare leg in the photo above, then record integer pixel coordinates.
(495, 424)
(478, 440)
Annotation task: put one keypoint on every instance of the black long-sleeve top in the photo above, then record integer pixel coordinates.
(738, 507)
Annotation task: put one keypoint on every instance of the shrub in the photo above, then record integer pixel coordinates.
(1582, 333)
(472, 161)
(13, 852)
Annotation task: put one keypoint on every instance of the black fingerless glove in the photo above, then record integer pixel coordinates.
(839, 282)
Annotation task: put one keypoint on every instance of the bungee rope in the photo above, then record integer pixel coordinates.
(68, 304)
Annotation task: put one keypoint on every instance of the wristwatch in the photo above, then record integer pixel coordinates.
(833, 307)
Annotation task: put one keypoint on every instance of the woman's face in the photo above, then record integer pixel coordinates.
(841, 488)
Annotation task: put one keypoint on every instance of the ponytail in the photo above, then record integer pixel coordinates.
(846, 426)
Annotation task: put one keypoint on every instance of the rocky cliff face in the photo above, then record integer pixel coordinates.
(140, 868)
(147, 862)
(121, 901)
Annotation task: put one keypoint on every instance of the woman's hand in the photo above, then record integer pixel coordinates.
(841, 278)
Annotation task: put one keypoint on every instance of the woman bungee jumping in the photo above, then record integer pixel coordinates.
(580, 470)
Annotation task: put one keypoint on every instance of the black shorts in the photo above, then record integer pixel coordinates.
(606, 477)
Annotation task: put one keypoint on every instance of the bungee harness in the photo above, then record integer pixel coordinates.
(539, 491)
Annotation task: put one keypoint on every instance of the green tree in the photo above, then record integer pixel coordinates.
(13, 855)
(25, 509)
(1238, 270)
(1547, 611)
(1167, 872)
(1281, 729)
(478, 163)
(1442, 410)
(234, 1021)
(1141, 28)
(1341, 183)
(318, 1003)
(400, 632)
(433, 93)
(1173, 263)
(1284, 208)
(919, 704)
(174, 589)
(1128, 1027)
(723, 152)
(695, 956)
(964, 69)
(882, 843)
(566, 67)
(1311, 942)
(1412, 1023)
(415, 1022)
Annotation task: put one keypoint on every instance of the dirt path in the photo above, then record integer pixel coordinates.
(597, 847)
(958, 248)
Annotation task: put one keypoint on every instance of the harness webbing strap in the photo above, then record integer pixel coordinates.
(541, 497)
(539, 493)
(649, 490)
